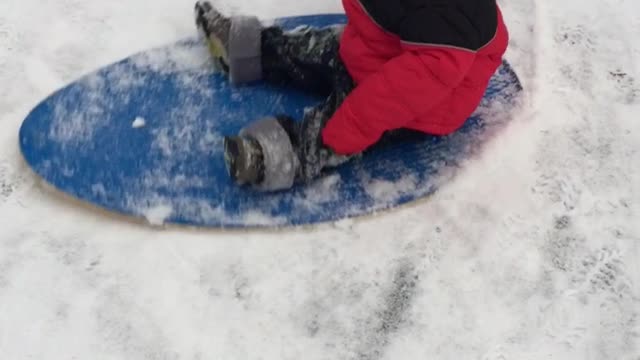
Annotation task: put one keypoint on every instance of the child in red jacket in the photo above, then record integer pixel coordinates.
(421, 65)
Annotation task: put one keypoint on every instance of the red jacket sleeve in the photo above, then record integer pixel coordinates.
(405, 88)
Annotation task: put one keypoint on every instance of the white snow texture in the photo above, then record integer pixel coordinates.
(138, 122)
(531, 252)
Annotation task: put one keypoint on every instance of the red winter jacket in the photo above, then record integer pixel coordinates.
(427, 71)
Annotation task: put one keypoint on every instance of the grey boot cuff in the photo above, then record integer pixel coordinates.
(280, 159)
(244, 50)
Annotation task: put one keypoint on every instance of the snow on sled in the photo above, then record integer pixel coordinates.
(143, 137)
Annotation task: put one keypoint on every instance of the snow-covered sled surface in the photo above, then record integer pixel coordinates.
(143, 136)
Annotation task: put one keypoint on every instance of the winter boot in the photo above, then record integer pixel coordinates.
(262, 156)
(244, 160)
(215, 29)
(234, 42)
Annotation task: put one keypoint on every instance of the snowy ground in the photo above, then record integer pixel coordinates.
(532, 252)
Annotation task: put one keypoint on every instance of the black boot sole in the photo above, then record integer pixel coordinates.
(241, 172)
(231, 152)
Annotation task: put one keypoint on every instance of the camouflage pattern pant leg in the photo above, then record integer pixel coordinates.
(308, 59)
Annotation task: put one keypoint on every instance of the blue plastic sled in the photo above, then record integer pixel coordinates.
(143, 137)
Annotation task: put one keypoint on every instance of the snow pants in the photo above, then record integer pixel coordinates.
(306, 59)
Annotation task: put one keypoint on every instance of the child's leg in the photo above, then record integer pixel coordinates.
(305, 58)
(313, 154)
(273, 153)
(288, 151)
(308, 59)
